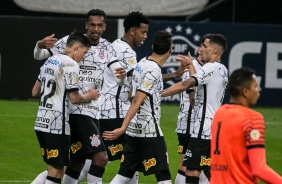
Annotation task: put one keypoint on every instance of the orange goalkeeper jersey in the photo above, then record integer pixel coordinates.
(235, 129)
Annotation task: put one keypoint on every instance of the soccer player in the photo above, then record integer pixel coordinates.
(145, 148)
(57, 86)
(86, 142)
(115, 98)
(211, 81)
(185, 122)
(237, 145)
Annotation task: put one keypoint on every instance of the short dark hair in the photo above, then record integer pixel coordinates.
(96, 12)
(162, 42)
(134, 19)
(78, 37)
(218, 39)
(240, 79)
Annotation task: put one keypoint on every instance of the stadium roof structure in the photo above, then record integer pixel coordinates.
(116, 7)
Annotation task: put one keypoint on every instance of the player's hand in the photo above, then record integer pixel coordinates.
(93, 94)
(48, 42)
(112, 135)
(186, 61)
(120, 72)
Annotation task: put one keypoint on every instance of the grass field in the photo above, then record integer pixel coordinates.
(20, 156)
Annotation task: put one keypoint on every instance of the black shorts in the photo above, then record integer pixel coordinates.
(183, 141)
(54, 148)
(85, 136)
(115, 147)
(197, 156)
(147, 155)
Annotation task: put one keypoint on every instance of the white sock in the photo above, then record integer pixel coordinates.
(119, 179)
(68, 180)
(180, 179)
(84, 171)
(93, 179)
(203, 179)
(165, 182)
(41, 178)
(134, 179)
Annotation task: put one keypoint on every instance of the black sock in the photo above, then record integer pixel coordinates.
(53, 179)
(72, 173)
(181, 172)
(96, 171)
(192, 180)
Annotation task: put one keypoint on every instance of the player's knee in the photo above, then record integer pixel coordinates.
(100, 159)
(192, 173)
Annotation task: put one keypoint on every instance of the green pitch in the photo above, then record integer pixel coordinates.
(20, 156)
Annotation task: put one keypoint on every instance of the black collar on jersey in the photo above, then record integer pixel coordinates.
(122, 39)
(153, 61)
(199, 62)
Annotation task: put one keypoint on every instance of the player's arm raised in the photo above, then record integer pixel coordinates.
(41, 48)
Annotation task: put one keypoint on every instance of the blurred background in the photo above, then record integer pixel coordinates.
(253, 30)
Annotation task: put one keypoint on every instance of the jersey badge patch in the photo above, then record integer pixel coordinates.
(254, 134)
(146, 84)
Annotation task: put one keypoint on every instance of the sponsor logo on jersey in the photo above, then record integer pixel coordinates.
(42, 119)
(83, 67)
(254, 134)
(53, 62)
(138, 69)
(205, 161)
(95, 141)
(150, 163)
(180, 149)
(101, 54)
(52, 154)
(75, 147)
(115, 149)
(219, 167)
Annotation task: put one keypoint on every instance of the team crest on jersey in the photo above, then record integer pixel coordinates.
(95, 141)
(132, 61)
(150, 163)
(254, 134)
(101, 54)
(146, 84)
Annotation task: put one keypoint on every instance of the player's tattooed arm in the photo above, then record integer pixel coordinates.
(179, 87)
(77, 98)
